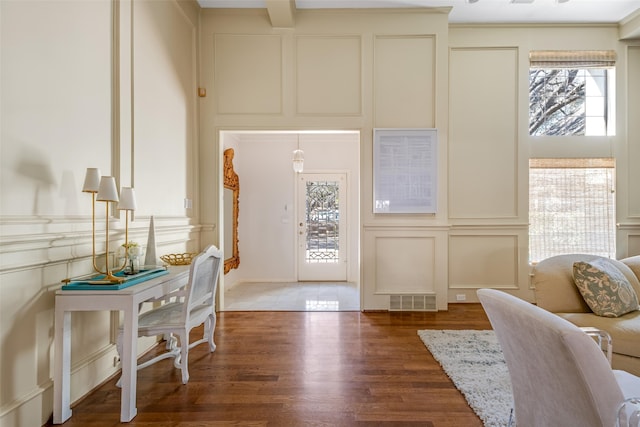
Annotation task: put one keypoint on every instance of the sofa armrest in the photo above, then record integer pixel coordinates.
(553, 284)
(555, 289)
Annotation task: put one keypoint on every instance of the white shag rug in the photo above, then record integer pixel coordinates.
(475, 363)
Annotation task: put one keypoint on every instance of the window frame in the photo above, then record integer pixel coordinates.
(581, 61)
(576, 146)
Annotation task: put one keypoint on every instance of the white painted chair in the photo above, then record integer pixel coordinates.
(194, 306)
(559, 375)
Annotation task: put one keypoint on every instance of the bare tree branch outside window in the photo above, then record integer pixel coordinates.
(557, 102)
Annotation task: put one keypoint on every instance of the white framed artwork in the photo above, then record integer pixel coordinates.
(405, 171)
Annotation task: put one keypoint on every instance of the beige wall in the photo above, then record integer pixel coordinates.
(399, 68)
(79, 90)
(336, 70)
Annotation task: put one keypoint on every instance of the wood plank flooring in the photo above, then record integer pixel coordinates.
(301, 369)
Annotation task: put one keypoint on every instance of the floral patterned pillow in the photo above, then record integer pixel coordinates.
(604, 288)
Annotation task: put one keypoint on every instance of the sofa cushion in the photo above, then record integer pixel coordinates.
(624, 330)
(604, 288)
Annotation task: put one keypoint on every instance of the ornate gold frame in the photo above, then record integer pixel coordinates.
(232, 182)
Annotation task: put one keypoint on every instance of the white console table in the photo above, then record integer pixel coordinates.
(126, 300)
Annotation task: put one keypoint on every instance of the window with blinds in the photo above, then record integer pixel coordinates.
(571, 93)
(571, 207)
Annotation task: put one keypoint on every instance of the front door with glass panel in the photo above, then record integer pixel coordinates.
(321, 231)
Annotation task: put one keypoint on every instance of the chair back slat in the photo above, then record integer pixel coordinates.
(203, 280)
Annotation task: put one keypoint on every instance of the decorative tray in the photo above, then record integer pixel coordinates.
(95, 282)
(179, 259)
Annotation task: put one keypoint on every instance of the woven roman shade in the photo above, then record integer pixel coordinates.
(572, 58)
(571, 207)
(571, 163)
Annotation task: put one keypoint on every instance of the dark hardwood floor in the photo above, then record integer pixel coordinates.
(301, 369)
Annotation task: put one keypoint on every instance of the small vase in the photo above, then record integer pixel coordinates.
(133, 265)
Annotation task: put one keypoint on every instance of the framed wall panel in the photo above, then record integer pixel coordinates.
(404, 80)
(633, 110)
(478, 261)
(328, 75)
(483, 133)
(405, 264)
(248, 73)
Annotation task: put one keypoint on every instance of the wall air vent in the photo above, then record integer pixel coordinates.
(425, 302)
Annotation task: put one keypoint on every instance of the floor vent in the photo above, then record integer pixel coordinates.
(413, 303)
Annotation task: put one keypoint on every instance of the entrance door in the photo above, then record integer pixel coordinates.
(321, 231)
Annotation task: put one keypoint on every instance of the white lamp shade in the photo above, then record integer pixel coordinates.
(298, 160)
(107, 191)
(91, 180)
(127, 199)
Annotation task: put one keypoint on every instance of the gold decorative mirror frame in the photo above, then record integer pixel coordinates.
(231, 182)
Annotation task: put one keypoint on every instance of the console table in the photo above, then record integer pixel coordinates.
(127, 300)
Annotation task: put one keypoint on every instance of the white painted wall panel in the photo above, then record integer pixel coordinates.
(404, 81)
(328, 73)
(248, 73)
(483, 140)
(633, 245)
(164, 108)
(477, 261)
(633, 145)
(56, 104)
(405, 265)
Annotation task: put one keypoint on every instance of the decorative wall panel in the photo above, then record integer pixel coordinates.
(633, 138)
(405, 261)
(248, 74)
(483, 140)
(404, 81)
(405, 265)
(163, 107)
(328, 75)
(479, 261)
(633, 245)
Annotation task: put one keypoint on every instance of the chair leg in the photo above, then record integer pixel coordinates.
(210, 327)
(184, 356)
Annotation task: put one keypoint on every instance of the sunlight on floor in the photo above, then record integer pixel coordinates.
(301, 296)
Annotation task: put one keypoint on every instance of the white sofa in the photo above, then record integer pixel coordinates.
(556, 292)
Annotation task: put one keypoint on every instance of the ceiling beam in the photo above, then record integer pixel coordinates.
(282, 13)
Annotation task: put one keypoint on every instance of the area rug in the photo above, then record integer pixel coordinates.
(475, 363)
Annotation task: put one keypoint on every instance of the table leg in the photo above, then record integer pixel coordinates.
(128, 408)
(62, 367)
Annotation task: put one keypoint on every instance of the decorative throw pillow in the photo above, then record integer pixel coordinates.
(604, 288)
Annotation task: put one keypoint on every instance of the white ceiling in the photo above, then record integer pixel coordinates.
(483, 11)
